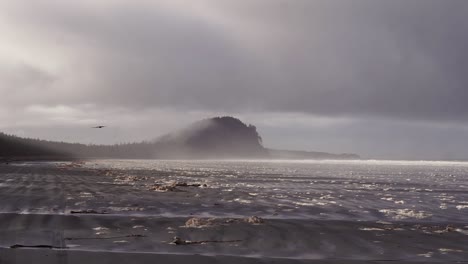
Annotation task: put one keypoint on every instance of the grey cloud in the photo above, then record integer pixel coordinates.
(21, 83)
(332, 75)
(395, 59)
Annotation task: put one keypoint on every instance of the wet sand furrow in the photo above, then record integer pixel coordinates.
(277, 238)
(98, 257)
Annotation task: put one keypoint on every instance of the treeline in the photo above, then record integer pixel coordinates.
(12, 146)
(220, 137)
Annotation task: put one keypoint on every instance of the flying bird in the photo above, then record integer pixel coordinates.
(98, 126)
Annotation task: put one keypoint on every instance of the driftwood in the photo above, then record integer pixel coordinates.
(88, 211)
(37, 246)
(184, 184)
(180, 242)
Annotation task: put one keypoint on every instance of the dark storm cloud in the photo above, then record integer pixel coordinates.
(403, 59)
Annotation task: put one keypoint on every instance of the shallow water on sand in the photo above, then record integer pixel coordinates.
(329, 190)
(370, 210)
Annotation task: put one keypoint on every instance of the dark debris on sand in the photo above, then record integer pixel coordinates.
(88, 211)
(173, 187)
(178, 241)
(36, 246)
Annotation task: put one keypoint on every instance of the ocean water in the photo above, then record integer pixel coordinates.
(333, 190)
(332, 210)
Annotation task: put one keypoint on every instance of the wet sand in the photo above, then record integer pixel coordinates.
(93, 215)
(78, 257)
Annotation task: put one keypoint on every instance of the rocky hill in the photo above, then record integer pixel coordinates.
(219, 137)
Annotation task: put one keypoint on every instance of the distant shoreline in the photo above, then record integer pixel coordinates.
(4, 160)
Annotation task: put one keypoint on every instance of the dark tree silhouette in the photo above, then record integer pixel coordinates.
(210, 138)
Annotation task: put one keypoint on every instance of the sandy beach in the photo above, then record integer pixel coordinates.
(95, 212)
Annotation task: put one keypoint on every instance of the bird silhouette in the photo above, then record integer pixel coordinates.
(99, 127)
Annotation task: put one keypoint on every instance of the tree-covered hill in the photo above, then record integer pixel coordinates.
(214, 138)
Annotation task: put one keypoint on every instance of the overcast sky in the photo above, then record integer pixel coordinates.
(381, 78)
